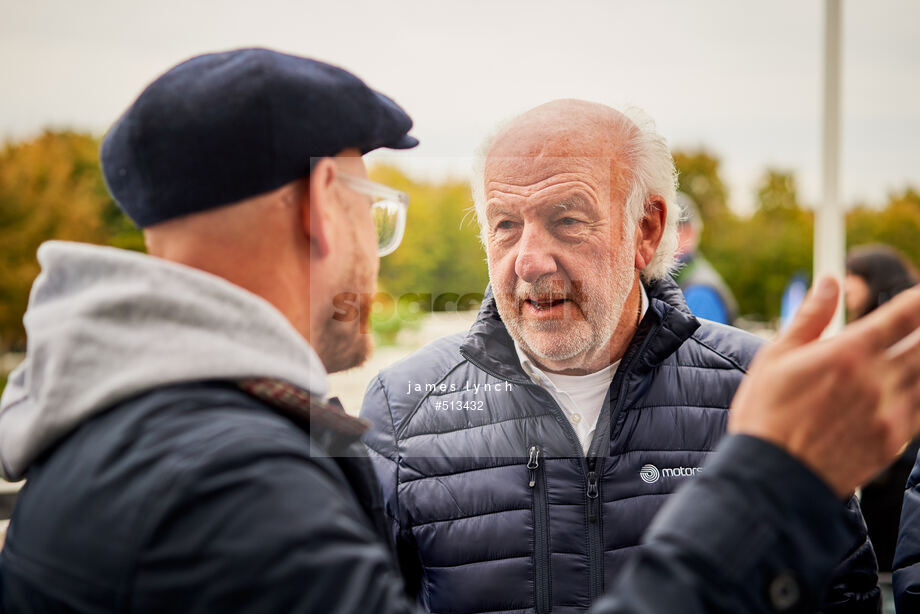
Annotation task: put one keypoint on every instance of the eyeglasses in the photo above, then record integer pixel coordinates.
(388, 208)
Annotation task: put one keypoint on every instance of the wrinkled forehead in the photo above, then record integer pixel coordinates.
(602, 177)
(532, 152)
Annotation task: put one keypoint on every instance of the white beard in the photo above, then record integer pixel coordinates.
(600, 298)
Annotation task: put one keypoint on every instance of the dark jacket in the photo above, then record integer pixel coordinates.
(906, 568)
(496, 508)
(200, 498)
(155, 484)
(881, 502)
(772, 554)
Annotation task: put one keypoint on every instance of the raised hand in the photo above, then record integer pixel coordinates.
(844, 406)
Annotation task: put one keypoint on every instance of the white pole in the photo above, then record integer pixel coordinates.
(830, 229)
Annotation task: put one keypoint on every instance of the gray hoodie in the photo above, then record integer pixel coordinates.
(105, 324)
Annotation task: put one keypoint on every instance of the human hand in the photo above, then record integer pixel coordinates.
(844, 406)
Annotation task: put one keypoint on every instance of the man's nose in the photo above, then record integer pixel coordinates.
(534, 258)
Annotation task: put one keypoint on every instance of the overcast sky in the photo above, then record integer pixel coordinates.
(743, 79)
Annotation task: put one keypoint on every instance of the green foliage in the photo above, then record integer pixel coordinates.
(777, 194)
(51, 187)
(898, 224)
(698, 177)
(778, 243)
(757, 255)
(386, 324)
(440, 264)
(440, 253)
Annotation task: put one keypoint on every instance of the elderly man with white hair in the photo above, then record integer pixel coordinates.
(522, 461)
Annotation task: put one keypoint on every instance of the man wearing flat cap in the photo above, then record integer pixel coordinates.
(171, 414)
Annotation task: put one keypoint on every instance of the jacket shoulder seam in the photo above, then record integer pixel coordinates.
(677, 406)
(701, 367)
(462, 471)
(475, 426)
(476, 515)
(418, 404)
(709, 347)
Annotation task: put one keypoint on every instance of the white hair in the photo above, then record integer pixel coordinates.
(651, 176)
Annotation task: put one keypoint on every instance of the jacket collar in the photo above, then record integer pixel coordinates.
(667, 324)
(325, 421)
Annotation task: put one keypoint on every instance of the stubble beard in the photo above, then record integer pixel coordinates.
(345, 344)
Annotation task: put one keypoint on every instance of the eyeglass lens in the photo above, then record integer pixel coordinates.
(389, 218)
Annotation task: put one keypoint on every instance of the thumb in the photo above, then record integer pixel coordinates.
(814, 315)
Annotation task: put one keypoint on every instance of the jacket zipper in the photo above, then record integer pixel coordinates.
(595, 529)
(592, 491)
(541, 542)
(594, 467)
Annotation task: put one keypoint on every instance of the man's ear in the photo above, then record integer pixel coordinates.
(316, 212)
(650, 230)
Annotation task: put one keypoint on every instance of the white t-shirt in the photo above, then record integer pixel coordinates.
(581, 397)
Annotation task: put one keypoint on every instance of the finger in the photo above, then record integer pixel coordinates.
(901, 374)
(902, 410)
(814, 315)
(892, 322)
(905, 350)
(902, 365)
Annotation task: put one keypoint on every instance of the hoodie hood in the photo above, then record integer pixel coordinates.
(105, 324)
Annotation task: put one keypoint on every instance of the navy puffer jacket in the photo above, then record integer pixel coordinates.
(494, 505)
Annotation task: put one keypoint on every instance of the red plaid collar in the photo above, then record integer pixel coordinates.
(301, 405)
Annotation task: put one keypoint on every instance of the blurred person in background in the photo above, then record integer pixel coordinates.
(522, 461)
(706, 293)
(874, 275)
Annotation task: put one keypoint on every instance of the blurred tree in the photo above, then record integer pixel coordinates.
(897, 224)
(440, 255)
(777, 193)
(51, 187)
(758, 255)
(698, 177)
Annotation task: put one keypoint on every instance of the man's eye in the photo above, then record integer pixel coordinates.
(568, 221)
(504, 225)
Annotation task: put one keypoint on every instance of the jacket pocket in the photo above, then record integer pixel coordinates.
(541, 566)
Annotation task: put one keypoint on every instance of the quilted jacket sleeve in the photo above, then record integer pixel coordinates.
(854, 585)
(774, 553)
(906, 576)
(381, 443)
(265, 533)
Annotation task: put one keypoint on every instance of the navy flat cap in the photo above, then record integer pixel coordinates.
(222, 127)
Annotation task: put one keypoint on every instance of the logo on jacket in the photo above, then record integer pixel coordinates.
(651, 474)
